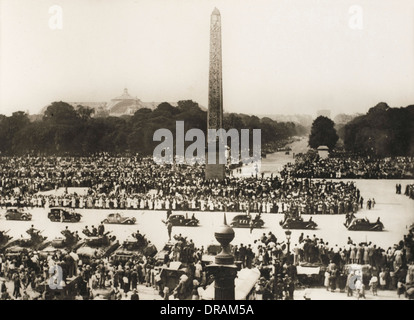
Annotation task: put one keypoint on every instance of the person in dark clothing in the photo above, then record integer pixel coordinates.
(268, 290)
(236, 253)
(251, 225)
(249, 257)
(369, 204)
(135, 295)
(101, 229)
(242, 255)
(126, 279)
(169, 229)
(3, 290)
(271, 238)
(140, 273)
(289, 288)
(134, 278)
(17, 285)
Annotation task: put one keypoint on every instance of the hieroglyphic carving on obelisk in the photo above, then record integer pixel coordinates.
(215, 92)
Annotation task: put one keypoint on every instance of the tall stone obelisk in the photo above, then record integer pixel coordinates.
(215, 170)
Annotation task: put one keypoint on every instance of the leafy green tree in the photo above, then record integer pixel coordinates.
(84, 113)
(60, 112)
(383, 131)
(323, 133)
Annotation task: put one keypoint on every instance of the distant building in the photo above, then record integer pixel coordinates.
(324, 113)
(124, 104)
(323, 152)
(91, 104)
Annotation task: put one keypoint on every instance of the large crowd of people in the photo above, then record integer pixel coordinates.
(33, 274)
(139, 183)
(355, 167)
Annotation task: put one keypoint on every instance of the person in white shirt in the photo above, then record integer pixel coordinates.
(373, 283)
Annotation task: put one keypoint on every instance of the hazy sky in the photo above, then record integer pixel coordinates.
(279, 56)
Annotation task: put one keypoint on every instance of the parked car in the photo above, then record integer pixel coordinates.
(117, 218)
(15, 213)
(243, 221)
(55, 214)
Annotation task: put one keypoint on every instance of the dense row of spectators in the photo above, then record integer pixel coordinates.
(356, 167)
(389, 266)
(136, 183)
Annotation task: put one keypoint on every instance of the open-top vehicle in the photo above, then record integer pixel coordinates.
(298, 223)
(243, 221)
(63, 214)
(35, 242)
(213, 249)
(160, 256)
(16, 213)
(66, 243)
(97, 247)
(133, 247)
(4, 238)
(365, 225)
(183, 220)
(117, 218)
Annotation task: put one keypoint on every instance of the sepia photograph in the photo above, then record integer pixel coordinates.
(211, 150)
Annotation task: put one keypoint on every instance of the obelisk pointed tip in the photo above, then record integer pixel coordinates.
(216, 12)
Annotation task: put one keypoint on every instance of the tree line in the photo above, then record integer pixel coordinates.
(68, 130)
(382, 131)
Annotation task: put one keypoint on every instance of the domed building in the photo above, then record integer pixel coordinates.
(124, 104)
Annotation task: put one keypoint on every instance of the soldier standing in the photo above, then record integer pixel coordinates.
(169, 228)
(101, 229)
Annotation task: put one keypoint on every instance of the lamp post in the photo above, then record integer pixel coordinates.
(223, 268)
(288, 234)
